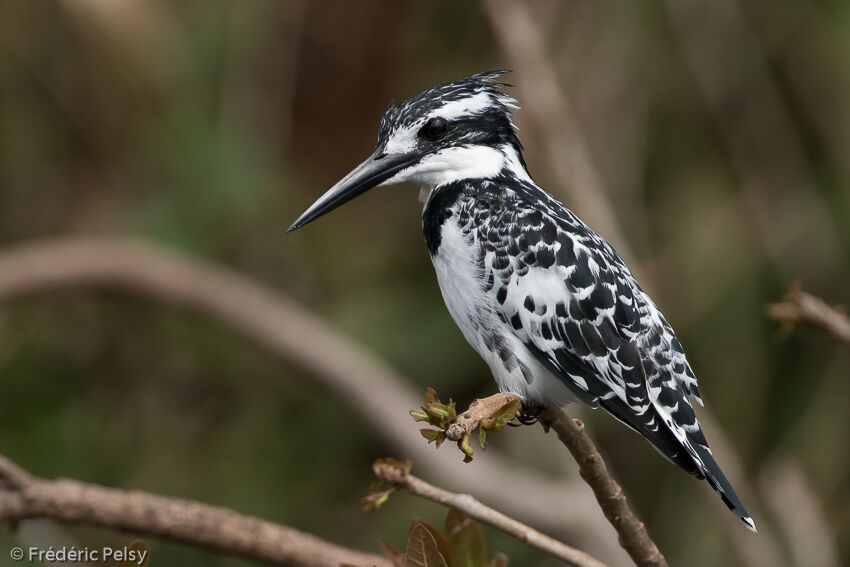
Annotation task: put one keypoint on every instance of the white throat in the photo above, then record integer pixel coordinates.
(461, 162)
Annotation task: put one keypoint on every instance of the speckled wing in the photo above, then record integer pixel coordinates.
(570, 299)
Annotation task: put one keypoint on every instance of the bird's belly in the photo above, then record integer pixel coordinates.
(460, 274)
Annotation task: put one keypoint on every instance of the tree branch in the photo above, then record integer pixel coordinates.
(631, 531)
(479, 411)
(219, 529)
(398, 477)
(802, 307)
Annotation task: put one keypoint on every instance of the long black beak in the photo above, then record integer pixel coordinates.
(374, 170)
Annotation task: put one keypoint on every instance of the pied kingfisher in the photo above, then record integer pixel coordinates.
(545, 301)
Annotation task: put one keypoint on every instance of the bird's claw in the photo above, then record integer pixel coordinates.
(529, 415)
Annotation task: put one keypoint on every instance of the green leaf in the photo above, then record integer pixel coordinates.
(438, 410)
(434, 411)
(373, 501)
(452, 410)
(418, 415)
(482, 437)
(432, 435)
(430, 396)
(422, 548)
(466, 447)
(465, 541)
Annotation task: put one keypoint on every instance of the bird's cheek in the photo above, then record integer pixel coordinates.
(406, 174)
(424, 172)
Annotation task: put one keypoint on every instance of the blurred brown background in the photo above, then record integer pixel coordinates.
(719, 136)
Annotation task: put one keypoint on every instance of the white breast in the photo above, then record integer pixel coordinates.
(460, 277)
(460, 282)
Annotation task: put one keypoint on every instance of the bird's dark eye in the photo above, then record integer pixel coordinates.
(435, 129)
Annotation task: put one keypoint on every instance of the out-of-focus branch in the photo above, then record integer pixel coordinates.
(801, 307)
(799, 513)
(23, 497)
(763, 550)
(546, 108)
(778, 185)
(280, 324)
(631, 531)
(399, 477)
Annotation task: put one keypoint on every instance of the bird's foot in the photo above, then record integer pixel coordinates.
(528, 415)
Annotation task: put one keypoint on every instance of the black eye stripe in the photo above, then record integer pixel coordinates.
(434, 129)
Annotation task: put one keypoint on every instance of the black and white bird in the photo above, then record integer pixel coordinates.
(545, 301)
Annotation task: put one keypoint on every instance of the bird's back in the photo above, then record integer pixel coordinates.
(556, 314)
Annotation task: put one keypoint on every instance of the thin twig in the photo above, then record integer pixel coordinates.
(801, 307)
(219, 529)
(399, 478)
(631, 531)
(279, 323)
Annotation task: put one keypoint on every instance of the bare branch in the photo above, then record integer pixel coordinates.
(219, 529)
(631, 531)
(396, 476)
(802, 307)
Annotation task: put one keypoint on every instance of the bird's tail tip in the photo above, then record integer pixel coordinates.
(719, 483)
(723, 487)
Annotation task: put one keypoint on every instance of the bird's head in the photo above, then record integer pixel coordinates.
(454, 131)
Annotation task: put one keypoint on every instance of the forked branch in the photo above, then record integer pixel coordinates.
(397, 475)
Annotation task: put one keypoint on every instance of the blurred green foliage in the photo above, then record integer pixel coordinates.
(210, 126)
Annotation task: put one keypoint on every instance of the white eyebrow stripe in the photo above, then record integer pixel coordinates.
(464, 107)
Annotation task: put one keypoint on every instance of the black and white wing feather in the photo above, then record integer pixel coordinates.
(576, 307)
